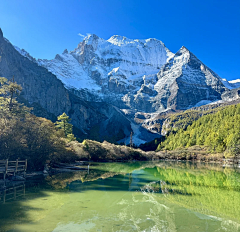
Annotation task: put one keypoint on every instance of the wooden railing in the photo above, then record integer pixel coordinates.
(12, 193)
(13, 167)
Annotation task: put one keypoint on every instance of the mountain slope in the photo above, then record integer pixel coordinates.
(111, 70)
(106, 62)
(218, 131)
(141, 75)
(185, 81)
(49, 97)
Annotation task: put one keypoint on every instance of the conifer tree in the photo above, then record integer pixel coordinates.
(131, 140)
(9, 106)
(63, 123)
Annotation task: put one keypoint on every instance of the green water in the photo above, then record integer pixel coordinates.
(141, 196)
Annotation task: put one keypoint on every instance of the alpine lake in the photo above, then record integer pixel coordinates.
(135, 196)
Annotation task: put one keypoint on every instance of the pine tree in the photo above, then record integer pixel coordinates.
(131, 139)
(63, 123)
(9, 106)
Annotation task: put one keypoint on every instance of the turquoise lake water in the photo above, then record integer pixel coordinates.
(139, 196)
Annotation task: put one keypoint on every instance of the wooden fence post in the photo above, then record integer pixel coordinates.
(25, 169)
(4, 196)
(6, 166)
(5, 173)
(16, 167)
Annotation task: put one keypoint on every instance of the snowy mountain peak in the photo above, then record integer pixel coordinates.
(65, 51)
(185, 56)
(184, 81)
(122, 40)
(136, 74)
(119, 40)
(153, 41)
(1, 33)
(235, 81)
(91, 37)
(182, 50)
(119, 70)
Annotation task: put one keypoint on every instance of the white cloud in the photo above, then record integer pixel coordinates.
(81, 35)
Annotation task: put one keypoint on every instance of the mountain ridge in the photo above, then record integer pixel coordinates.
(117, 83)
(49, 97)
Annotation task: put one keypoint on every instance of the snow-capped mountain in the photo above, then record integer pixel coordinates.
(114, 63)
(113, 69)
(139, 78)
(235, 83)
(184, 82)
(141, 75)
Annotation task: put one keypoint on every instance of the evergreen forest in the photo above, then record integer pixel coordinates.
(219, 131)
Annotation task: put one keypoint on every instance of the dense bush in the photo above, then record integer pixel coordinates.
(32, 138)
(96, 151)
(25, 136)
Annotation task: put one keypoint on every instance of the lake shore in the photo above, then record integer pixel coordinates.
(106, 152)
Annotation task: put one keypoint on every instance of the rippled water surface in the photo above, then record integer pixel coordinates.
(140, 196)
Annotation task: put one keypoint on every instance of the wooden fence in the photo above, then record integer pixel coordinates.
(13, 167)
(12, 193)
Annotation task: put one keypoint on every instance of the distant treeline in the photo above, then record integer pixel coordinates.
(220, 131)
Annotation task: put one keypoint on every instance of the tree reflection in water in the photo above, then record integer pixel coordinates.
(140, 196)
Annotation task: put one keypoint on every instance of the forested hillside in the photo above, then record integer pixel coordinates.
(220, 131)
(172, 122)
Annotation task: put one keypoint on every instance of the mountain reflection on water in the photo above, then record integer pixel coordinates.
(139, 196)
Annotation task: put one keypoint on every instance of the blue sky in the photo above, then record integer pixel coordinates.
(210, 29)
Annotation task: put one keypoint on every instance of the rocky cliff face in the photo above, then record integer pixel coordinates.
(184, 81)
(231, 95)
(38, 84)
(48, 95)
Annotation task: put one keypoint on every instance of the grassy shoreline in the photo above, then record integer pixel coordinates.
(106, 152)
